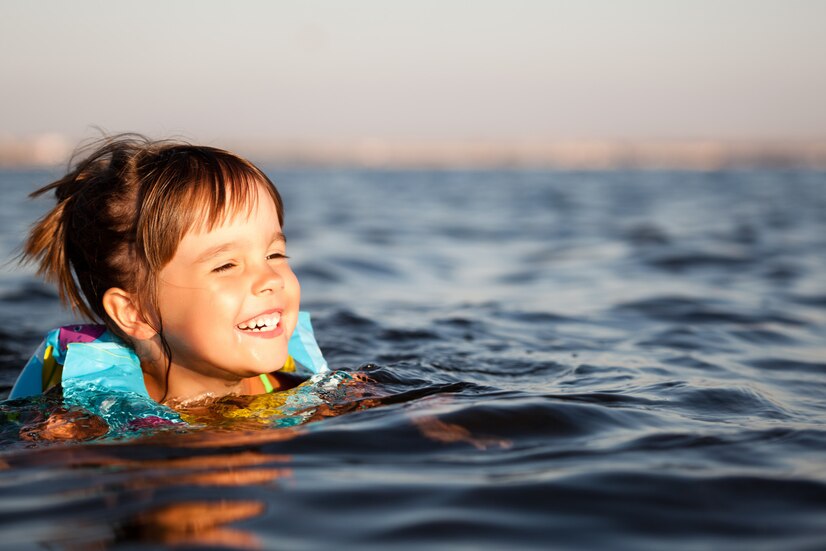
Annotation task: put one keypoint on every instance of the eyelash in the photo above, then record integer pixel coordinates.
(223, 268)
(230, 265)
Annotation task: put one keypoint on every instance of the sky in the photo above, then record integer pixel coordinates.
(516, 70)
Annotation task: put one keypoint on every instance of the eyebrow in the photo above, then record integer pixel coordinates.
(214, 251)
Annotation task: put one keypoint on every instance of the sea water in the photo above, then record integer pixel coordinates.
(619, 360)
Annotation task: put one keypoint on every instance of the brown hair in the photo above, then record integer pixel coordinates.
(122, 211)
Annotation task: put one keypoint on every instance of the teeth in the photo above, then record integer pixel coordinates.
(263, 323)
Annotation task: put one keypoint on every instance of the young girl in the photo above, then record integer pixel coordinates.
(177, 252)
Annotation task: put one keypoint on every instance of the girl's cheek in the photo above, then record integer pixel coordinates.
(291, 281)
(222, 286)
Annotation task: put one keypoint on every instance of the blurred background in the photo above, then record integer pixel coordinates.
(547, 83)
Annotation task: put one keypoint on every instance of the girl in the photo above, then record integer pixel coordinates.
(177, 251)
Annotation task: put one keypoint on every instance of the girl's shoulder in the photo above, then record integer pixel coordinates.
(45, 367)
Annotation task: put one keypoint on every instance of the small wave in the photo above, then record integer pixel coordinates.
(316, 271)
(761, 335)
(723, 402)
(365, 267)
(817, 301)
(787, 365)
(494, 369)
(525, 418)
(346, 319)
(721, 506)
(420, 336)
(689, 339)
(783, 273)
(695, 363)
(697, 310)
(679, 262)
(532, 317)
(775, 444)
(609, 399)
(647, 235)
(520, 277)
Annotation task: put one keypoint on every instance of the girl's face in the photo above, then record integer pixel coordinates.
(228, 299)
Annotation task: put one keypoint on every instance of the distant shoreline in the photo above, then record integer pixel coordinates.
(51, 150)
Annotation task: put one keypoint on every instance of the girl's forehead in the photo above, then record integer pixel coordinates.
(256, 203)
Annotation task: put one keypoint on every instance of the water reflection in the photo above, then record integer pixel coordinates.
(157, 500)
(195, 523)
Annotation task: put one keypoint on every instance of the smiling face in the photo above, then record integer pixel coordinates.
(228, 299)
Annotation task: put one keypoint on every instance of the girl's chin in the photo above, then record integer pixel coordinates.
(267, 364)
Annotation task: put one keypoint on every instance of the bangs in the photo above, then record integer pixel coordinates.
(221, 195)
(197, 188)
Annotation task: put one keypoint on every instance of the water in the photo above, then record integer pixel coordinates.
(623, 360)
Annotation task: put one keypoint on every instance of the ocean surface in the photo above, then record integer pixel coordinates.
(551, 360)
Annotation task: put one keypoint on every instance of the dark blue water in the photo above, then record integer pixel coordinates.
(619, 360)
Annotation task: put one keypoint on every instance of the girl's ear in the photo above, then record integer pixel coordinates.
(123, 309)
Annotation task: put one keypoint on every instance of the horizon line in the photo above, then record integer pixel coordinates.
(52, 150)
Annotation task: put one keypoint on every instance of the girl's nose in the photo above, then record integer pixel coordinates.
(268, 280)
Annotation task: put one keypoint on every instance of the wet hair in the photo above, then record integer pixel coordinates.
(122, 211)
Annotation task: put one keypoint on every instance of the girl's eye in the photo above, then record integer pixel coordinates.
(224, 268)
(277, 256)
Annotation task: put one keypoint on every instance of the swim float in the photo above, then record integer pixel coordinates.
(101, 374)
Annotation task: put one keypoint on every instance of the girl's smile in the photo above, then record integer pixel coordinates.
(265, 325)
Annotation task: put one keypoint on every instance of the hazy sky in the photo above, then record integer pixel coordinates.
(415, 70)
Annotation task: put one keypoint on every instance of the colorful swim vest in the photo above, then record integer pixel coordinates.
(81, 357)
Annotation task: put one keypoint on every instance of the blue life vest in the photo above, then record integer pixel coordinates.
(101, 374)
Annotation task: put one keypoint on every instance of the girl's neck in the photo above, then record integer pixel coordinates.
(180, 384)
(184, 386)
